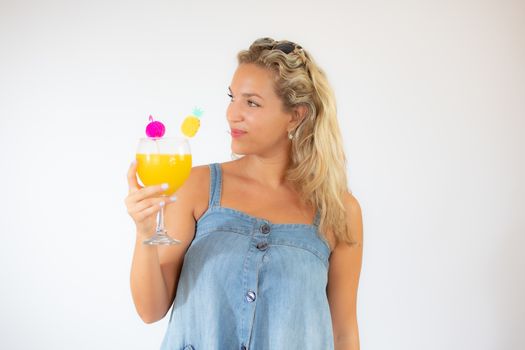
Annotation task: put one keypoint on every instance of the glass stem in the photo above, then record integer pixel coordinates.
(160, 221)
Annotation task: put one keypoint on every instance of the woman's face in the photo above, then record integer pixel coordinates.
(256, 109)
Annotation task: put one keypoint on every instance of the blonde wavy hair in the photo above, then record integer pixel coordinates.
(318, 164)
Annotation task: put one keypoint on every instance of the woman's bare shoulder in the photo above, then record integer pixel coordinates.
(199, 176)
(199, 179)
(199, 185)
(231, 166)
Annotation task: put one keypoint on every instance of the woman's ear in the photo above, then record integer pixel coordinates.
(299, 113)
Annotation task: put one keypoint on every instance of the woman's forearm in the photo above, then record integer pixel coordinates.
(349, 341)
(148, 287)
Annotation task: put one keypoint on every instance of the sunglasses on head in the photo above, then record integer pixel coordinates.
(286, 47)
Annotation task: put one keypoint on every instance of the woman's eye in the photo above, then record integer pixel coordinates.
(250, 103)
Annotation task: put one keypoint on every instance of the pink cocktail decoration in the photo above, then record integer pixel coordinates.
(155, 129)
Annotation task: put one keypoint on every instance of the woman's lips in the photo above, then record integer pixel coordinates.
(237, 132)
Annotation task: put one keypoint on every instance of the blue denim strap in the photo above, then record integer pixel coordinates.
(215, 185)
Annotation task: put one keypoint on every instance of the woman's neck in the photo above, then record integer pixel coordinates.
(268, 172)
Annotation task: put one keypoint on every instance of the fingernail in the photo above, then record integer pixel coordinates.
(164, 186)
(161, 203)
(133, 162)
(173, 198)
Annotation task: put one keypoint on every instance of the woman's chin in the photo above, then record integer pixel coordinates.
(238, 150)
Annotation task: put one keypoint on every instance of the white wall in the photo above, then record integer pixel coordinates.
(431, 100)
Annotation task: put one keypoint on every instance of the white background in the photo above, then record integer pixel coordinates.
(431, 101)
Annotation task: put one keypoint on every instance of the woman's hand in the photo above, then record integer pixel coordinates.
(143, 203)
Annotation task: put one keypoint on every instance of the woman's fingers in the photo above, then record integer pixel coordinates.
(132, 178)
(149, 210)
(147, 203)
(145, 192)
(144, 202)
(135, 192)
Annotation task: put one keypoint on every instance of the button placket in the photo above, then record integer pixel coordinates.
(250, 296)
(262, 245)
(258, 244)
(265, 228)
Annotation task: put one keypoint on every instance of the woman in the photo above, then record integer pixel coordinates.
(271, 242)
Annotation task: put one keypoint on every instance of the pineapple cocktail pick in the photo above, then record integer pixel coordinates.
(191, 123)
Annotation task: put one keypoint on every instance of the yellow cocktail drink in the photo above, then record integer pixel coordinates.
(156, 169)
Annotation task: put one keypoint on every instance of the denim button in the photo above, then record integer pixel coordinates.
(189, 347)
(265, 228)
(262, 245)
(243, 347)
(250, 296)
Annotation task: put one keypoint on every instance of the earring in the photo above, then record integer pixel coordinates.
(290, 135)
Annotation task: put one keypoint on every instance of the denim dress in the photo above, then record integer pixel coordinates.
(250, 284)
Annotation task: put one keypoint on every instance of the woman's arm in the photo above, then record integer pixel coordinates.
(343, 280)
(155, 270)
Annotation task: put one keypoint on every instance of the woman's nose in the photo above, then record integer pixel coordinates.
(232, 113)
